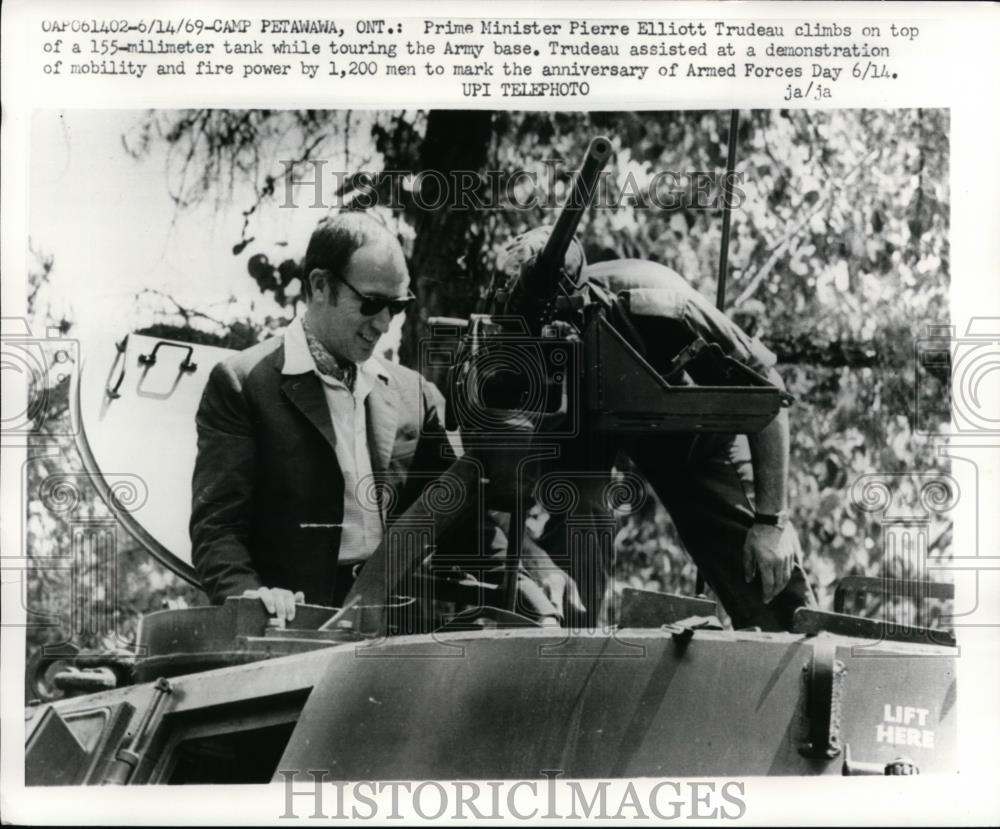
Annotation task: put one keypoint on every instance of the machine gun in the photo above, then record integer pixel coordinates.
(552, 365)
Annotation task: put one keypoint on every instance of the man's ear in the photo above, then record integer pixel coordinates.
(319, 285)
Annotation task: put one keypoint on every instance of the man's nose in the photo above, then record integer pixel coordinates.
(382, 320)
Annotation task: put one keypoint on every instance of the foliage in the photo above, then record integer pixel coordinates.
(78, 593)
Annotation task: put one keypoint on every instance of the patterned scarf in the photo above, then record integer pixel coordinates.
(326, 363)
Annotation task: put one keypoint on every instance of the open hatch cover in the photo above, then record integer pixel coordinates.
(137, 399)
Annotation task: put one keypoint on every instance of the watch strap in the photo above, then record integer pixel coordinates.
(771, 519)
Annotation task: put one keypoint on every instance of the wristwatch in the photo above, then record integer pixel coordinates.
(779, 520)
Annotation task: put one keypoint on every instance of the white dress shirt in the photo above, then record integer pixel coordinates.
(363, 526)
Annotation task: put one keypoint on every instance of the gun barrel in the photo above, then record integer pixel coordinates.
(544, 278)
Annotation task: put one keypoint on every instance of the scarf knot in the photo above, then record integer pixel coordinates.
(326, 363)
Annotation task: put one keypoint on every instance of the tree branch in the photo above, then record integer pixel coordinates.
(778, 250)
(186, 313)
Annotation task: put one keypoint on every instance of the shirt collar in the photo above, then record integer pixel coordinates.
(298, 359)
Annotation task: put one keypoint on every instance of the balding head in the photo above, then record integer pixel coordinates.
(338, 238)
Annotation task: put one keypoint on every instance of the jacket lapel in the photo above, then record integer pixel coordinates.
(306, 394)
(383, 415)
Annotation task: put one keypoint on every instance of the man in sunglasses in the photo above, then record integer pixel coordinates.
(309, 443)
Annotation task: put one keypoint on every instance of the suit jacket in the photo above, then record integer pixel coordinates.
(268, 494)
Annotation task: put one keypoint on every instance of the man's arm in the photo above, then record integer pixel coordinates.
(769, 549)
(559, 592)
(558, 585)
(222, 489)
(223, 496)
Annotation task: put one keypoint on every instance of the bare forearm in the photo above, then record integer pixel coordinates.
(769, 454)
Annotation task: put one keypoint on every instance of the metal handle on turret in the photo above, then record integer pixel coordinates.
(186, 363)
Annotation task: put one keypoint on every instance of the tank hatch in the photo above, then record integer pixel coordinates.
(137, 398)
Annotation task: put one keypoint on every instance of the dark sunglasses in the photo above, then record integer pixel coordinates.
(372, 305)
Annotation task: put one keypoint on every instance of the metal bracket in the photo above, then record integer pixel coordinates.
(824, 675)
(682, 631)
(901, 766)
(652, 609)
(812, 622)
(689, 354)
(129, 756)
(917, 589)
(109, 389)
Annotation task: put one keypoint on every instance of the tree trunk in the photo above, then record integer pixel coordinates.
(444, 259)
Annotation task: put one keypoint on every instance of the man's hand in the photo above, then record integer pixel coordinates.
(771, 551)
(557, 585)
(532, 601)
(277, 601)
(560, 589)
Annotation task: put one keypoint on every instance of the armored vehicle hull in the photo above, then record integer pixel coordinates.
(507, 704)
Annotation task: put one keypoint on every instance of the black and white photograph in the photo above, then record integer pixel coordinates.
(511, 462)
(615, 405)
